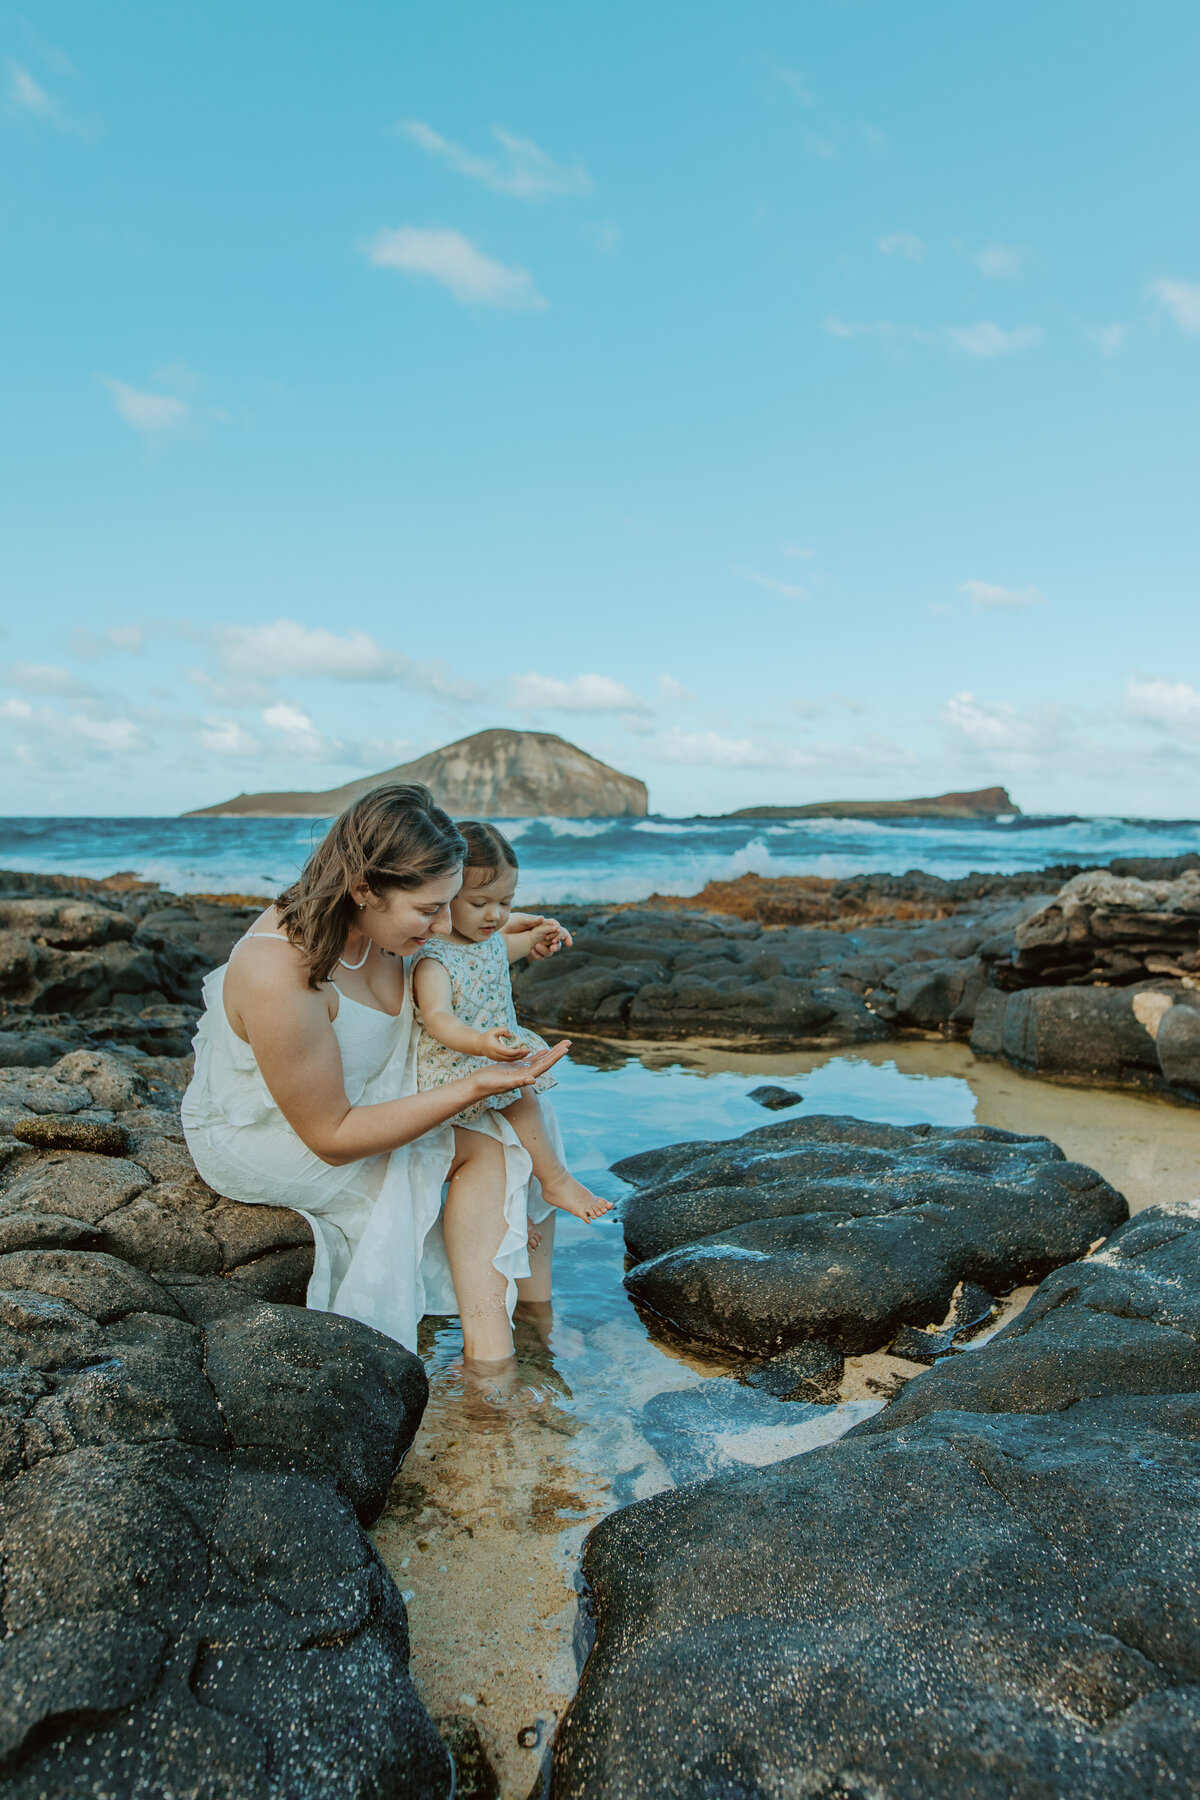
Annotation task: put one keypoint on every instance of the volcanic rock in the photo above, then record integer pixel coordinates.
(991, 1588)
(191, 1604)
(491, 775)
(843, 1231)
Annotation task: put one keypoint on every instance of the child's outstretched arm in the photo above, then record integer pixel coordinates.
(539, 938)
(431, 986)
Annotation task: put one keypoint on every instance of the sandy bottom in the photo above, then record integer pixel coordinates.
(485, 1523)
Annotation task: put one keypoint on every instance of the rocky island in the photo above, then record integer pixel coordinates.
(492, 775)
(983, 803)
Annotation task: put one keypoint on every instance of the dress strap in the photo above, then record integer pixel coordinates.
(281, 935)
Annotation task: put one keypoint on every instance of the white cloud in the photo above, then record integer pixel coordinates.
(88, 645)
(1171, 706)
(820, 147)
(877, 328)
(258, 653)
(1182, 300)
(453, 260)
(796, 84)
(28, 96)
(605, 238)
(787, 589)
(901, 243)
(526, 172)
(299, 734)
(28, 99)
(153, 415)
(227, 737)
(986, 594)
(586, 694)
(1109, 339)
(1001, 262)
(674, 691)
(51, 739)
(987, 339)
(710, 750)
(1017, 739)
(45, 678)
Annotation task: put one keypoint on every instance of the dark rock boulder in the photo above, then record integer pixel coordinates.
(775, 1099)
(927, 1613)
(348, 1400)
(1177, 1042)
(1102, 927)
(808, 1371)
(836, 1230)
(1125, 1320)
(1096, 1035)
(991, 1588)
(191, 1605)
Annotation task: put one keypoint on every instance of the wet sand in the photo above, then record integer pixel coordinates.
(485, 1523)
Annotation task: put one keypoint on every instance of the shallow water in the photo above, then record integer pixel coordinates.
(486, 1521)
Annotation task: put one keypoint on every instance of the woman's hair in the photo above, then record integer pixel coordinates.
(394, 837)
(487, 848)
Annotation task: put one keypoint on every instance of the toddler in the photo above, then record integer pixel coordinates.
(464, 998)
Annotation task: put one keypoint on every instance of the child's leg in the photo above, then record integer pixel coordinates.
(558, 1185)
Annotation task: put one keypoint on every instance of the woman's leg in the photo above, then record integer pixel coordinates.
(534, 1290)
(473, 1226)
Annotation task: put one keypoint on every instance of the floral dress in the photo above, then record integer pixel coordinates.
(481, 997)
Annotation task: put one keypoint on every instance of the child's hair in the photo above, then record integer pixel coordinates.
(488, 850)
(393, 837)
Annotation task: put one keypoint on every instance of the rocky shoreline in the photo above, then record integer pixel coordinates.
(991, 1588)
(188, 1459)
(997, 1573)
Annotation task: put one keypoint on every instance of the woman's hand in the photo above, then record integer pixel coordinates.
(487, 1082)
(501, 1046)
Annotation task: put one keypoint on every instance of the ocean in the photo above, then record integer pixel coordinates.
(593, 859)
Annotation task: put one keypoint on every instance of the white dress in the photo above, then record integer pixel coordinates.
(376, 1224)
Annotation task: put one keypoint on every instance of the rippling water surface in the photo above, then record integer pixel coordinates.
(591, 859)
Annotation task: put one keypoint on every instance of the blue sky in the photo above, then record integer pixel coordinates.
(783, 402)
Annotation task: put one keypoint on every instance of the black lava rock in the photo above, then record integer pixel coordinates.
(809, 1371)
(775, 1098)
(991, 1589)
(843, 1231)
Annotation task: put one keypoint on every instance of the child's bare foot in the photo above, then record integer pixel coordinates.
(533, 1235)
(571, 1196)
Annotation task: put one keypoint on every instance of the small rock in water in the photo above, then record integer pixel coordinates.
(775, 1097)
(970, 1306)
(50, 1132)
(810, 1371)
(475, 1777)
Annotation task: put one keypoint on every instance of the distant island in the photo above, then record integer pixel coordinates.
(494, 774)
(984, 803)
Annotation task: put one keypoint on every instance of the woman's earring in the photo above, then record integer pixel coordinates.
(361, 904)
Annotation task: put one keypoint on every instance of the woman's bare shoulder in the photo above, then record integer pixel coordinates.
(267, 963)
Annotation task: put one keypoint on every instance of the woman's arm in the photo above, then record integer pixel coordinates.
(288, 1028)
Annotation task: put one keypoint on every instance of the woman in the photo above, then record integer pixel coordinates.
(304, 1093)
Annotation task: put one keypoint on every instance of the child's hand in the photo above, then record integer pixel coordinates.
(500, 1046)
(549, 937)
